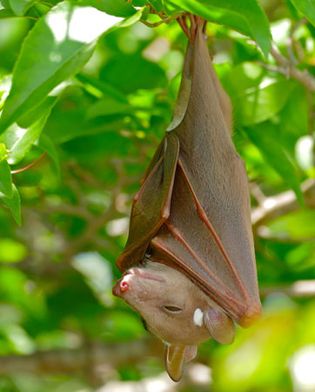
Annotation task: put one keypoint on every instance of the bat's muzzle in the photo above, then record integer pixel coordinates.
(120, 287)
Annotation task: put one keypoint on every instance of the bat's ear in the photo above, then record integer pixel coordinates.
(175, 356)
(219, 325)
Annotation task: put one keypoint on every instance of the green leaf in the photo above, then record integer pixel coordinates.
(258, 104)
(19, 140)
(97, 273)
(3, 151)
(265, 137)
(107, 106)
(102, 87)
(46, 144)
(69, 119)
(41, 110)
(19, 7)
(24, 144)
(11, 251)
(111, 7)
(157, 5)
(301, 257)
(5, 179)
(245, 16)
(6, 13)
(56, 48)
(294, 116)
(307, 8)
(127, 80)
(242, 78)
(297, 225)
(13, 203)
(4, 5)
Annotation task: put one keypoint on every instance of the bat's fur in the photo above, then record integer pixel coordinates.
(167, 301)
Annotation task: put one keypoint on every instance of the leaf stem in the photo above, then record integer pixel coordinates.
(29, 166)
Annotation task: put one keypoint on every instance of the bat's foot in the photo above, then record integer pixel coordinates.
(190, 24)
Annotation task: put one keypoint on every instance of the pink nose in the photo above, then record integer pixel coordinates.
(124, 286)
(120, 287)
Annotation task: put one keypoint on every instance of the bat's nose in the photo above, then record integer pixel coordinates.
(120, 287)
(123, 285)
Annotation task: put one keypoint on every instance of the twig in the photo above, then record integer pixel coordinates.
(300, 288)
(289, 70)
(67, 209)
(257, 193)
(159, 23)
(30, 165)
(282, 203)
(295, 50)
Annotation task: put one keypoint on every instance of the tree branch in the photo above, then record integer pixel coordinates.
(298, 289)
(75, 361)
(281, 204)
(289, 69)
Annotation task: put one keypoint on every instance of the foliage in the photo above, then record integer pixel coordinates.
(86, 91)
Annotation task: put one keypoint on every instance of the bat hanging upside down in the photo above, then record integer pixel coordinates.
(189, 263)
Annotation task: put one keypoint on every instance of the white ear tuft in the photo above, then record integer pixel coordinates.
(198, 317)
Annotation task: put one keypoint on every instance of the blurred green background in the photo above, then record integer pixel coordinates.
(90, 101)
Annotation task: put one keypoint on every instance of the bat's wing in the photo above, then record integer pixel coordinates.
(189, 241)
(151, 205)
(208, 233)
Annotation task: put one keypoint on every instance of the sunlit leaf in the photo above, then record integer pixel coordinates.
(303, 256)
(111, 7)
(11, 251)
(298, 225)
(245, 16)
(13, 203)
(252, 359)
(3, 152)
(19, 140)
(20, 341)
(262, 102)
(307, 9)
(19, 7)
(5, 179)
(62, 47)
(102, 87)
(97, 272)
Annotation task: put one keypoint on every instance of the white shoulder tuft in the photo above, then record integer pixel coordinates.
(198, 317)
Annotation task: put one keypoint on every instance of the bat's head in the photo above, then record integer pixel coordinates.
(174, 308)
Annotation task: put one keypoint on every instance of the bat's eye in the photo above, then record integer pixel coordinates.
(172, 309)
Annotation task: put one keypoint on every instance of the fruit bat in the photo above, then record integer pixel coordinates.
(189, 263)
